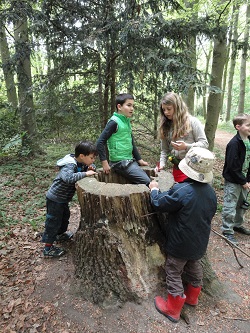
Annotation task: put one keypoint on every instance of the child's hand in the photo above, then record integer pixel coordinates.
(179, 145)
(246, 186)
(158, 168)
(106, 167)
(142, 163)
(91, 173)
(92, 167)
(153, 184)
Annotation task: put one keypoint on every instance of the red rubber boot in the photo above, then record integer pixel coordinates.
(192, 294)
(171, 308)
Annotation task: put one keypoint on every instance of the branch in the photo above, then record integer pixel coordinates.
(229, 242)
(243, 319)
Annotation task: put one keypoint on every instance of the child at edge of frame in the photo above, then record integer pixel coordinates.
(124, 158)
(72, 168)
(236, 173)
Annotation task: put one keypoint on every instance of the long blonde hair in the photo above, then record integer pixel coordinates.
(180, 124)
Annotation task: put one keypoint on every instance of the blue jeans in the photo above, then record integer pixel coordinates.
(131, 170)
(57, 220)
(232, 214)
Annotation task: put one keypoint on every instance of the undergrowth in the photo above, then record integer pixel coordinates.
(24, 183)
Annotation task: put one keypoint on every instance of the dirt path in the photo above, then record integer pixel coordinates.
(37, 295)
(222, 138)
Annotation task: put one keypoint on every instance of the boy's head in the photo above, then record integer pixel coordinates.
(240, 119)
(242, 125)
(198, 164)
(125, 104)
(121, 99)
(86, 152)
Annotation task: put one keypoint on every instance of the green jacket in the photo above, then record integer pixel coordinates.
(120, 143)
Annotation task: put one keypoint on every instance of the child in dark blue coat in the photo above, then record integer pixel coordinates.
(191, 206)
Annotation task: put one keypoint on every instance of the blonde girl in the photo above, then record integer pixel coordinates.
(178, 132)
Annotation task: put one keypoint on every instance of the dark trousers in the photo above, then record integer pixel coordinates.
(174, 270)
(57, 220)
(131, 170)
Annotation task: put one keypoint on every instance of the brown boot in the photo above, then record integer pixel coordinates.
(192, 294)
(171, 308)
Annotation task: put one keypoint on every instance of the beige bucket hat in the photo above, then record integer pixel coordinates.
(198, 164)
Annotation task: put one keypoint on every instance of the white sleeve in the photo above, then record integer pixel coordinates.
(164, 152)
(199, 136)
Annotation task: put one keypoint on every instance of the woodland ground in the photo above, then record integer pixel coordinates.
(37, 295)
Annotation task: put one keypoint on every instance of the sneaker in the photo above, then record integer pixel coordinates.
(53, 252)
(242, 230)
(231, 238)
(66, 236)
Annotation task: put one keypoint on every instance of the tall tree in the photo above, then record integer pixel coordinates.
(215, 96)
(7, 68)
(23, 68)
(241, 104)
(191, 44)
(214, 103)
(208, 55)
(232, 60)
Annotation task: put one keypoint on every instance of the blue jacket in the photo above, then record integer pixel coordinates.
(234, 159)
(63, 187)
(191, 206)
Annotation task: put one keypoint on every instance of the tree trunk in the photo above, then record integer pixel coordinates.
(119, 253)
(191, 46)
(204, 97)
(25, 94)
(7, 69)
(224, 78)
(214, 99)
(232, 61)
(243, 66)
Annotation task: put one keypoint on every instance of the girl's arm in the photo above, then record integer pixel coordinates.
(164, 153)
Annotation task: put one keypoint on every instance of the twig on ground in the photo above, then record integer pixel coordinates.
(232, 318)
(234, 246)
(184, 316)
(230, 243)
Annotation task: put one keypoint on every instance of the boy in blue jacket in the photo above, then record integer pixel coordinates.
(72, 168)
(191, 206)
(236, 173)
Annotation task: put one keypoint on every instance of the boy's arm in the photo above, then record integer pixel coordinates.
(109, 129)
(233, 165)
(137, 155)
(69, 176)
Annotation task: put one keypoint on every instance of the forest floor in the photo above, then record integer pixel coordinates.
(37, 295)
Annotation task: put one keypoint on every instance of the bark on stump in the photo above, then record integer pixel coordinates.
(119, 244)
(117, 256)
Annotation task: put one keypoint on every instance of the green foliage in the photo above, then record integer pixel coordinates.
(14, 145)
(80, 58)
(227, 126)
(24, 183)
(9, 126)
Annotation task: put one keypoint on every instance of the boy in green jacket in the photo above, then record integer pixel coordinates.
(124, 157)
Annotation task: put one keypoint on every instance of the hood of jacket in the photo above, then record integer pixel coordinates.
(68, 159)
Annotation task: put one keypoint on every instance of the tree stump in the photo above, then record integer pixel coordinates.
(119, 253)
